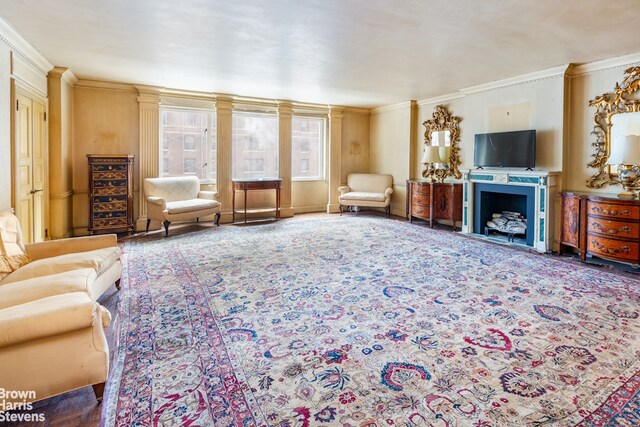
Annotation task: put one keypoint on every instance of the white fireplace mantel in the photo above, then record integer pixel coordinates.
(546, 184)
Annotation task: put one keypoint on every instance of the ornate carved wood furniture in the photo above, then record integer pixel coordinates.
(612, 110)
(110, 193)
(603, 226)
(246, 185)
(433, 201)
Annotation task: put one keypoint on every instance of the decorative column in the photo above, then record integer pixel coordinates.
(148, 161)
(224, 109)
(285, 115)
(334, 157)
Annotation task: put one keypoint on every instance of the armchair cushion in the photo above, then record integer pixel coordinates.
(182, 206)
(41, 287)
(49, 316)
(99, 260)
(365, 196)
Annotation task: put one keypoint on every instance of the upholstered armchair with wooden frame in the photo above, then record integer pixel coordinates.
(178, 199)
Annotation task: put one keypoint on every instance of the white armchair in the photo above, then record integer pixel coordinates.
(178, 198)
(367, 190)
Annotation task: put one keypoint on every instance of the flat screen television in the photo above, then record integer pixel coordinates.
(505, 149)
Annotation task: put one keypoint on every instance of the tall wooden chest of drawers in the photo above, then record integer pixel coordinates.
(608, 227)
(110, 193)
(432, 201)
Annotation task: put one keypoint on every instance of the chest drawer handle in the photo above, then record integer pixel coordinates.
(611, 251)
(612, 231)
(613, 212)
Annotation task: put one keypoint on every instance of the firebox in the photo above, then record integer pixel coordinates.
(496, 198)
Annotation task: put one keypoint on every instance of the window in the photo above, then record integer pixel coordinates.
(189, 166)
(188, 143)
(254, 139)
(307, 148)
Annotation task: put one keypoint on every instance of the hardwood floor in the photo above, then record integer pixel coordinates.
(79, 407)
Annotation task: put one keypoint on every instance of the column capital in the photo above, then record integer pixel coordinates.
(285, 108)
(335, 113)
(224, 103)
(149, 95)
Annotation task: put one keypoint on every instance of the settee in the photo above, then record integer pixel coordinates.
(52, 336)
(367, 190)
(178, 199)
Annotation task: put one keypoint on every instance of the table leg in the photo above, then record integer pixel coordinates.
(245, 205)
(233, 206)
(277, 203)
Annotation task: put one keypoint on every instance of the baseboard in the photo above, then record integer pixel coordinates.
(309, 209)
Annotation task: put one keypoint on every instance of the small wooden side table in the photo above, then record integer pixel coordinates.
(246, 185)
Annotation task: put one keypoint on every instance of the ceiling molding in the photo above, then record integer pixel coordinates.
(20, 46)
(104, 85)
(393, 107)
(606, 64)
(440, 99)
(558, 71)
(356, 110)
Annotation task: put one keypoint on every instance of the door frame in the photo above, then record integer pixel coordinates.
(17, 88)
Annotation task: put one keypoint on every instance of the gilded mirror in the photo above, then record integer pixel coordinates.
(441, 145)
(615, 115)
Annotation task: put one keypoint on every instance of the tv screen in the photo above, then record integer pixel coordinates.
(505, 149)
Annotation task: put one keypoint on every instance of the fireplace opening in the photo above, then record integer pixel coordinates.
(512, 202)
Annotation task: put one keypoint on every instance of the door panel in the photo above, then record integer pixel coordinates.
(39, 168)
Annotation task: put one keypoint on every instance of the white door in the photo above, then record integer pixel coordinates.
(30, 174)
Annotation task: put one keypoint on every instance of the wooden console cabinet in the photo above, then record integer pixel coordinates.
(110, 193)
(602, 226)
(433, 201)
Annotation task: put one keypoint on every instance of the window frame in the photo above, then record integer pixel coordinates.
(323, 149)
(263, 148)
(210, 138)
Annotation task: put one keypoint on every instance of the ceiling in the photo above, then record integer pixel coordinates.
(363, 53)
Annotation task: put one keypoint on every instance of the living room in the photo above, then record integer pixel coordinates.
(361, 83)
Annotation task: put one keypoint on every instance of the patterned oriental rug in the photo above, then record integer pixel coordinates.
(361, 321)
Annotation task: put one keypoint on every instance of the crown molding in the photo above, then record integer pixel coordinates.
(606, 64)
(65, 74)
(105, 85)
(517, 80)
(20, 46)
(357, 110)
(393, 107)
(440, 99)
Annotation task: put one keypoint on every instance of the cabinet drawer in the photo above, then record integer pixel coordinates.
(420, 200)
(108, 167)
(623, 250)
(420, 190)
(110, 175)
(110, 183)
(619, 229)
(420, 211)
(108, 207)
(110, 214)
(111, 222)
(613, 210)
(110, 191)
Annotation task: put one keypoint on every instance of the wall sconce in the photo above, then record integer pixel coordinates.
(625, 153)
(430, 160)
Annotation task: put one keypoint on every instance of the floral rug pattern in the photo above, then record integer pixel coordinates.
(361, 321)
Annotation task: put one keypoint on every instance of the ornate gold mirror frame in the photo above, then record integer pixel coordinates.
(608, 105)
(443, 121)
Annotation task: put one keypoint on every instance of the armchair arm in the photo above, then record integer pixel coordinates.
(159, 201)
(388, 192)
(51, 248)
(49, 316)
(207, 195)
(344, 189)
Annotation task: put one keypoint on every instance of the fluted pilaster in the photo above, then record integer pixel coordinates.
(335, 157)
(149, 100)
(285, 115)
(224, 109)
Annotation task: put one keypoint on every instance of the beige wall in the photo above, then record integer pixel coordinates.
(60, 89)
(585, 86)
(392, 132)
(105, 121)
(5, 127)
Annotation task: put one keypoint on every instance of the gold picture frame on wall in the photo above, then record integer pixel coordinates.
(446, 127)
(622, 100)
